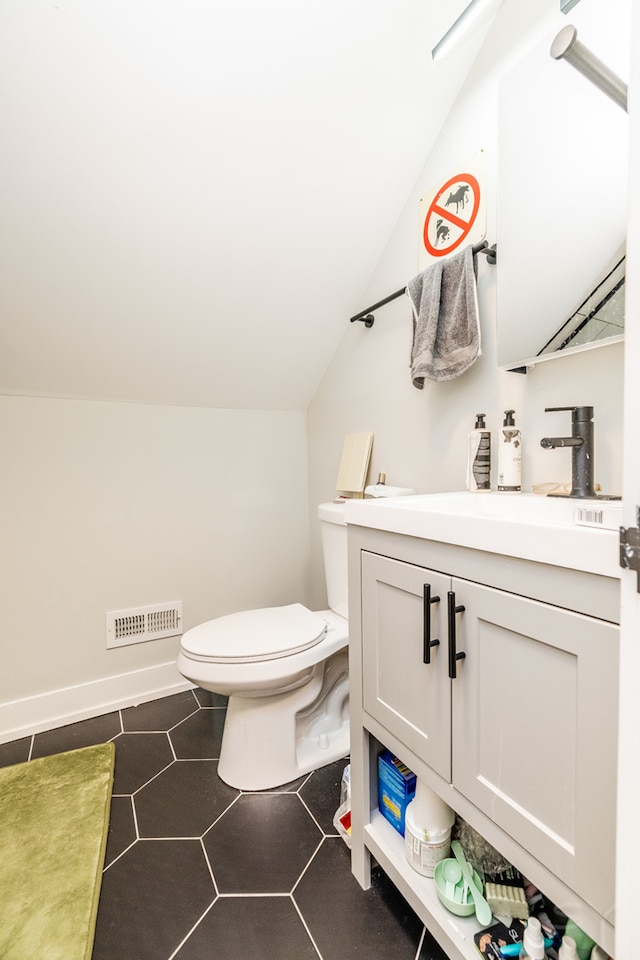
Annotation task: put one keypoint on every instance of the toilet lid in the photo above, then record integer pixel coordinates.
(253, 635)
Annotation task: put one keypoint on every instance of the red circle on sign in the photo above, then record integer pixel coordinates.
(437, 210)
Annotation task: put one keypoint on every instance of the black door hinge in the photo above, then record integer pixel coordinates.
(630, 547)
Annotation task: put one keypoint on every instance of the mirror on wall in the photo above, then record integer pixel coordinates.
(561, 211)
(599, 317)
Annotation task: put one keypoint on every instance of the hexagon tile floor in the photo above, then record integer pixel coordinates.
(196, 870)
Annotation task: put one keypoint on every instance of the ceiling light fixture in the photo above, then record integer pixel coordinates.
(566, 5)
(460, 28)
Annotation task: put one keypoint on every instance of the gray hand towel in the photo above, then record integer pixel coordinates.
(446, 328)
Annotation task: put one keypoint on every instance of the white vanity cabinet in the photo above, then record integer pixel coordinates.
(495, 679)
(409, 697)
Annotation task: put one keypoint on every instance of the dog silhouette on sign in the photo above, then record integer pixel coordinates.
(442, 231)
(459, 197)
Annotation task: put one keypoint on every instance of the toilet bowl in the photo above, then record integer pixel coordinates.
(285, 672)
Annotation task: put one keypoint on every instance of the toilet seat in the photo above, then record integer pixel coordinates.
(255, 635)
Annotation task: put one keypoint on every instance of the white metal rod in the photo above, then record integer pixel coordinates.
(566, 46)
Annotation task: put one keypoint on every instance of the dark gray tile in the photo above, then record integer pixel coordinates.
(16, 751)
(250, 928)
(155, 892)
(183, 801)
(321, 793)
(208, 699)
(150, 899)
(261, 844)
(159, 714)
(122, 828)
(85, 733)
(199, 736)
(346, 921)
(139, 757)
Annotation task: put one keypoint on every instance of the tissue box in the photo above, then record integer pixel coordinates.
(396, 789)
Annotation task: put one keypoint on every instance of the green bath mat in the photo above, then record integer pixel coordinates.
(54, 817)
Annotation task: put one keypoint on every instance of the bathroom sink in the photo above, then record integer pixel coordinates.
(579, 534)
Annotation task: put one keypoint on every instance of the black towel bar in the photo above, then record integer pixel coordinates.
(366, 316)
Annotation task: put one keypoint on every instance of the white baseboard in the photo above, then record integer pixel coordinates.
(21, 718)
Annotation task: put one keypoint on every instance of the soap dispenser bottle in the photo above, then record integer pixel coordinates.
(509, 455)
(532, 946)
(479, 456)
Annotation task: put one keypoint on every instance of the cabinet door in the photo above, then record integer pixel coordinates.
(409, 697)
(534, 731)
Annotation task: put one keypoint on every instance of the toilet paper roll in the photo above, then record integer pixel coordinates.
(430, 811)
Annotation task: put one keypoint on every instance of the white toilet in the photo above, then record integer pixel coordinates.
(285, 671)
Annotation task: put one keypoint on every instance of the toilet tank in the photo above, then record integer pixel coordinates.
(333, 534)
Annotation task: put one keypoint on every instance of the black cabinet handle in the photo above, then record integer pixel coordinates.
(427, 642)
(453, 655)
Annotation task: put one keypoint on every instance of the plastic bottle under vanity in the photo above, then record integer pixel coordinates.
(532, 947)
(584, 943)
(568, 949)
(479, 456)
(509, 455)
(428, 823)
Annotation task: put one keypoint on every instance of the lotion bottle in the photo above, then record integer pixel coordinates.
(479, 456)
(509, 455)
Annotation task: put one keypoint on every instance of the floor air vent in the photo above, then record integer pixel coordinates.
(144, 623)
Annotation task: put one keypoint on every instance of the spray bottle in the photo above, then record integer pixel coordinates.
(532, 947)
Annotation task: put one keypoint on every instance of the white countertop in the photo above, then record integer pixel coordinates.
(526, 525)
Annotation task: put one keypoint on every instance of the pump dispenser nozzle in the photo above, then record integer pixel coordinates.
(532, 947)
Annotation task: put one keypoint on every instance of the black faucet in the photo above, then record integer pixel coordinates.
(582, 451)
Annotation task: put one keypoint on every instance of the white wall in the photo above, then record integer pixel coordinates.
(420, 435)
(106, 506)
(109, 505)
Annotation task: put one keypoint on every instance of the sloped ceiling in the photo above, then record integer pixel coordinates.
(194, 194)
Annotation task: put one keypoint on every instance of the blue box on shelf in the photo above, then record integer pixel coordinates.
(396, 789)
